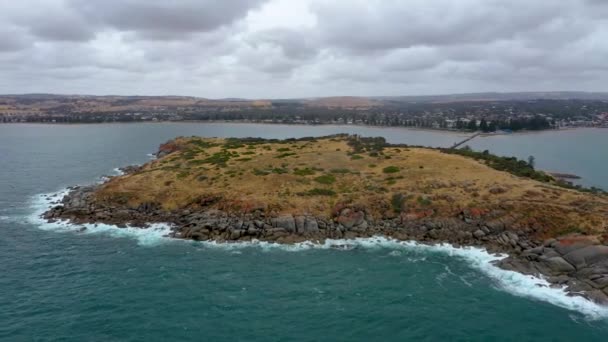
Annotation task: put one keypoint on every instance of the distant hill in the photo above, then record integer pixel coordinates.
(53, 104)
(555, 95)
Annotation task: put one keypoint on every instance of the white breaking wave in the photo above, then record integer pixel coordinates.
(118, 171)
(151, 236)
(510, 281)
(4, 218)
(513, 282)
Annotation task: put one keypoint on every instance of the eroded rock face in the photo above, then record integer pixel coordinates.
(350, 218)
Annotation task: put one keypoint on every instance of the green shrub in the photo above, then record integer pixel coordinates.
(425, 201)
(196, 162)
(203, 144)
(183, 174)
(304, 172)
(325, 179)
(286, 154)
(397, 202)
(361, 144)
(258, 172)
(390, 169)
(219, 158)
(340, 171)
(318, 192)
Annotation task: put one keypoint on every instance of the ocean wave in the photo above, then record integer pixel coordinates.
(118, 171)
(154, 235)
(4, 218)
(513, 282)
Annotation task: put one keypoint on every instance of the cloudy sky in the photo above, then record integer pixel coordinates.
(302, 48)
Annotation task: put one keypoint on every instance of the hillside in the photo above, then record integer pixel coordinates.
(312, 176)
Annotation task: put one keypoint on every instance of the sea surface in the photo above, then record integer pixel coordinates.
(109, 284)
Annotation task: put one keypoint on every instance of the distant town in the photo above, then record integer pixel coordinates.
(491, 112)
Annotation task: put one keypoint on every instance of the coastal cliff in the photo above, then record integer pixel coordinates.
(343, 187)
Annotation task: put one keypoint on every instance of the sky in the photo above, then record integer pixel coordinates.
(302, 48)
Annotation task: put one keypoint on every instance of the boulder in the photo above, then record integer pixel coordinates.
(558, 265)
(299, 220)
(350, 218)
(286, 222)
(478, 234)
(235, 234)
(566, 246)
(362, 227)
(310, 225)
(588, 256)
(597, 296)
(601, 282)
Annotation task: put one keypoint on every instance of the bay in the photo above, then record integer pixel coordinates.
(113, 285)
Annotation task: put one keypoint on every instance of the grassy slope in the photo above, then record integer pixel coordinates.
(311, 177)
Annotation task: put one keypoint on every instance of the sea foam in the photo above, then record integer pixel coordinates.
(154, 235)
(513, 282)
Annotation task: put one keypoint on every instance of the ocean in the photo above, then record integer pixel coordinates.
(110, 284)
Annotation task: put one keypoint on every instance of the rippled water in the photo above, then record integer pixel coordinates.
(109, 284)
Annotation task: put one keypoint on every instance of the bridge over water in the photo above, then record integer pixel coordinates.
(460, 143)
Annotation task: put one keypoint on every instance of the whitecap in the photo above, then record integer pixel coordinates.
(118, 172)
(510, 281)
(155, 234)
(517, 283)
(513, 282)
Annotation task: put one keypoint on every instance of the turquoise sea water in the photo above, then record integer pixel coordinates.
(120, 285)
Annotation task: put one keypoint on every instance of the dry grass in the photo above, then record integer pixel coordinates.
(264, 175)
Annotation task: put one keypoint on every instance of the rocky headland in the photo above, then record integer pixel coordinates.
(343, 187)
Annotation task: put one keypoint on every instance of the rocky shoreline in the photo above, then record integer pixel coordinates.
(576, 263)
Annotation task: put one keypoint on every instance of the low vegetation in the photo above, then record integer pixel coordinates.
(313, 175)
(390, 169)
(325, 179)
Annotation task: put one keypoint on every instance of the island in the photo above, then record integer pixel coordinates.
(348, 186)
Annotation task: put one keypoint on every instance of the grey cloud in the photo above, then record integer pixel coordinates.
(391, 24)
(295, 44)
(164, 20)
(50, 20)
(59, 28)
(352, 47)
(12, 40)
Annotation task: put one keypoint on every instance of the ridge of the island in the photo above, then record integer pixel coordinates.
(347, 186)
